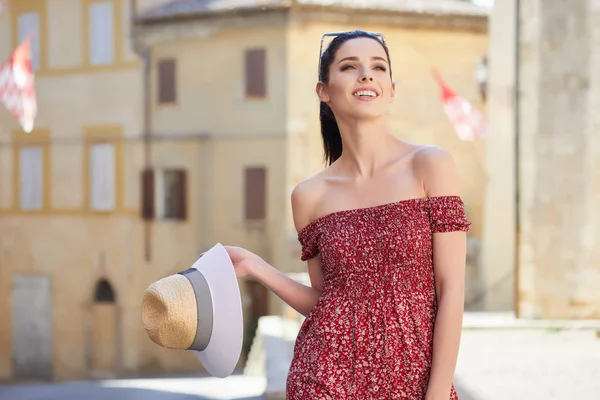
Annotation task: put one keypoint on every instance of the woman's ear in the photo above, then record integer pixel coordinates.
(322, 92)
(393, 92)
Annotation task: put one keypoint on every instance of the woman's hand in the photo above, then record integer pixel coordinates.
(244, 261)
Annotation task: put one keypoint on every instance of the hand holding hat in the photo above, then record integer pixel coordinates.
(243, 260)
(200, 309)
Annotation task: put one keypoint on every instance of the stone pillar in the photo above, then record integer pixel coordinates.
(559, 248)
(499, 222)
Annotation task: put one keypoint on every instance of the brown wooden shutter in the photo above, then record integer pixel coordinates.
(148, 194)
(256, 193)
(166, 81)
(179, 194)
(256, 83)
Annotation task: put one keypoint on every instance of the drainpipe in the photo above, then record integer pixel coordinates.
(144, 54)
(517, 118)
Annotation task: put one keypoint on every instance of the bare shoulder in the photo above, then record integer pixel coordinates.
(435, 167)
(432, 157)
(306, 196)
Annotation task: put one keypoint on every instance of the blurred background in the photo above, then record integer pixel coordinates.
(163, 127)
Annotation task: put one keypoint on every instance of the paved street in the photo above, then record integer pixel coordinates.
(232, 388)
(529, 365)
(501, 364)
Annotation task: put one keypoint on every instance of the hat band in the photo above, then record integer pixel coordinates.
(204, 308)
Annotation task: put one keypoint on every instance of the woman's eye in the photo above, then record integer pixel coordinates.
(377, 67)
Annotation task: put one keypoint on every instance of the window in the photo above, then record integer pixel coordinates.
(256, 194)
(255, 73)
(102, 177)
(31, 178)
(101, 33)
(147, 194)
(170, 194)
(164, 194)
(29, 24)
(166, 81)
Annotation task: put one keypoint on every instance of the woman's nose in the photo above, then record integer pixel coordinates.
(366, 77)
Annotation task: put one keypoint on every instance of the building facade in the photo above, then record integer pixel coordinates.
(541, 247)
(156, 139)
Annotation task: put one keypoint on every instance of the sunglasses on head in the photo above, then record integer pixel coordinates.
(335, 34)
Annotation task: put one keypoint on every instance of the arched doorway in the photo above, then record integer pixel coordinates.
(104, 339)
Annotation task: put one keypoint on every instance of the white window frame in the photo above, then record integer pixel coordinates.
(102, 176)
(101, 33)
(31, 178)
(29, 24)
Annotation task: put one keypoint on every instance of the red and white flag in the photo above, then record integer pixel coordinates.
(17, 86)
(467, 121)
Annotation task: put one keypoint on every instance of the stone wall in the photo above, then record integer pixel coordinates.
(559, 247)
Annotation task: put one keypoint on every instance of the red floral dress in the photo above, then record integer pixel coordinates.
(370, 336)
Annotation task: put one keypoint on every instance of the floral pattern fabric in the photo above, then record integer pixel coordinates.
(370, 335)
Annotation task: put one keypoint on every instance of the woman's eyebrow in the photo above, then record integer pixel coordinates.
(354, 58)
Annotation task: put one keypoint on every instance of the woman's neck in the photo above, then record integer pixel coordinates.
(367, 145)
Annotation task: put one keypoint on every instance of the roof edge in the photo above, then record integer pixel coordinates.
(150, 16)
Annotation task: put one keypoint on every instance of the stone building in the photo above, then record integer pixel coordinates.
(541, 241)
(158, 138)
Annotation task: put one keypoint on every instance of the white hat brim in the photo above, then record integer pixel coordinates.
(223, 352)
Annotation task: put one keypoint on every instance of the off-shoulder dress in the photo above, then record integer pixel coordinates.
(370, 335)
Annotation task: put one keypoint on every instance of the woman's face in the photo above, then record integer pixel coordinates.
(360, 86)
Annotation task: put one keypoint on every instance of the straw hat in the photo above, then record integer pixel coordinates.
(200, 310)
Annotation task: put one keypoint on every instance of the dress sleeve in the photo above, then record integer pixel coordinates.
(308, 238)
(447, 214)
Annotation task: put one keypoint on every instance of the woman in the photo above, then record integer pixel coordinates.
(382, 229)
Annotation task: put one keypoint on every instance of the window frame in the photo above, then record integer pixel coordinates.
(153, 194)
(163, 72)
(255, 213)
(90, 56)
(107, 134)
(255, 62)
(36, 138)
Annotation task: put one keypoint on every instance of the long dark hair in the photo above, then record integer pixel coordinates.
(332, 139)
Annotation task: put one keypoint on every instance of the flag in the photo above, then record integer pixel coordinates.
(17, 87)
(467, 121)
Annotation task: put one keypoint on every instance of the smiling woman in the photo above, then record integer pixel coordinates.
(382, 229)
(350, 65)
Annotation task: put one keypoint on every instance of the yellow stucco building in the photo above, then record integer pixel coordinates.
(191, 126)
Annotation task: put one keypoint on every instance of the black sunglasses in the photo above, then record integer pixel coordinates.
(334, 34)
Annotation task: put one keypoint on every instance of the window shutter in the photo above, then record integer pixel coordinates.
(255, 186)
(147, 194)
(166, 81)
(179, 195)
(256, 73)
(102, 177)
(29, 24)
(31, 178)
(101, 35)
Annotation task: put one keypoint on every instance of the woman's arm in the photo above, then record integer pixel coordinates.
(449, 255)
(300, 297)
